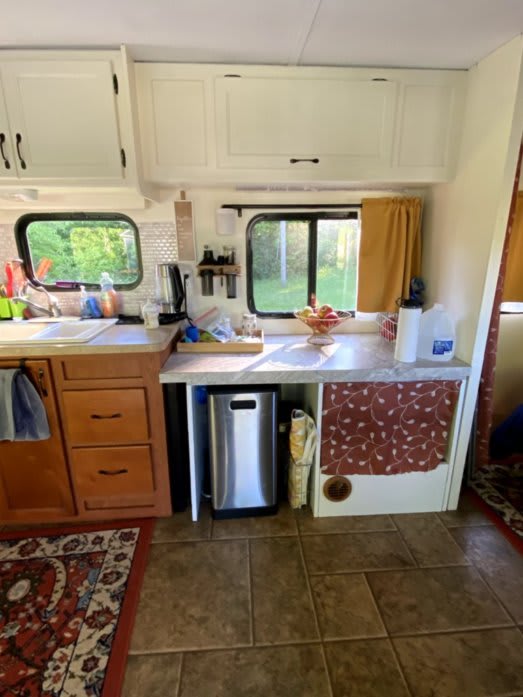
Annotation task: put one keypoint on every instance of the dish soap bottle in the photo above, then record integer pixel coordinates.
(108, 299)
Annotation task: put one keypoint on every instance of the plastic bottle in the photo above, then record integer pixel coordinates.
(150, 312)
(108, 299)
(84, 309)
(409, 318)
(437, 337)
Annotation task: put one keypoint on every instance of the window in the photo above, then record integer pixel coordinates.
(77, 247)
(294, 256)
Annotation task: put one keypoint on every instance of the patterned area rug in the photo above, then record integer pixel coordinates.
(501, 487)
(67, 603)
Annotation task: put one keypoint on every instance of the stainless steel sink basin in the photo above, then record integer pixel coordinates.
(34, 333)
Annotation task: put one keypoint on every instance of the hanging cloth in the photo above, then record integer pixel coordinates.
(302, 446)
(22, 412)
(390, 252)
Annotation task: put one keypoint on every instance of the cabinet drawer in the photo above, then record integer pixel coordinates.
(92, 368)
(106, 416)
(107, 477)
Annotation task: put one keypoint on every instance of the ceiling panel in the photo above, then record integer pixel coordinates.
(411, 33)
(242, 31)
(405, 33)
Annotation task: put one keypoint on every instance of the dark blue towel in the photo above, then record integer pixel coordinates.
(24, 415)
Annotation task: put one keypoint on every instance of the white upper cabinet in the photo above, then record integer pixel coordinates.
(62, 119)
(7, 168)
(334, 128)
(428, 128)
(272, 125)
(175, 120)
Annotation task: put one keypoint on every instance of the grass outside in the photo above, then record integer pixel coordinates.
(334, 286)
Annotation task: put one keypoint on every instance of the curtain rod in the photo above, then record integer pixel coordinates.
(238, 207)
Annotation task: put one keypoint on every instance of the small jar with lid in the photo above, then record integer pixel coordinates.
(249, 324)
(151, 313)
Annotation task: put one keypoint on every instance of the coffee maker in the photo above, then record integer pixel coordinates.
(170, 293)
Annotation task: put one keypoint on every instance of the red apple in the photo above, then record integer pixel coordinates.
(331, 315)
(324, 310)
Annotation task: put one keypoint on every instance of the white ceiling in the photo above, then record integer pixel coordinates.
(403, 33)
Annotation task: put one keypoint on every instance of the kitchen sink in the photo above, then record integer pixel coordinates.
(32, 333)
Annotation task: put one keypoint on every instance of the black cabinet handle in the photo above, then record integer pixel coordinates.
(106, 416)
(41, 382)
(18, 142)
(7, 164)
(314, 160)
(112, 473)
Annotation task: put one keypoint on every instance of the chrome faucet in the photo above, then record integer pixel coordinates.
(52, 309)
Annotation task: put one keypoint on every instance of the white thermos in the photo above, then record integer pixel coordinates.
(408, 331)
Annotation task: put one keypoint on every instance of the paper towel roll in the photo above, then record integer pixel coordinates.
(407, 337)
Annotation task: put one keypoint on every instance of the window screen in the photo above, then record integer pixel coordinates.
(291, 257)
(77, 247)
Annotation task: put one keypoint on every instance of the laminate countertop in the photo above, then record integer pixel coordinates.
(290, 359)
(118, 338)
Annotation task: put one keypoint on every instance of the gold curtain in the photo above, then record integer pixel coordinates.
(390, 251)
(513, 286)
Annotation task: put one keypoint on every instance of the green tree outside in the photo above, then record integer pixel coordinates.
(80, 251)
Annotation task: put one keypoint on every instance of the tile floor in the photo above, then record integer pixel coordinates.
(412, 605)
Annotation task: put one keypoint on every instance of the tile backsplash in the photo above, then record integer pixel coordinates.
(158, 244)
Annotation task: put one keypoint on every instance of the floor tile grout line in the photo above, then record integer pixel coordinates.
(363, 570)
(309, 586)
(453, 630)
(400, 668)
(389, 639)
(408, 548)
(179, 685)
(496, 596)
(323, 533)
(315, 613)
(482, 575)
(326, 642)
(375, 602)
(326, 668)
(251, 592)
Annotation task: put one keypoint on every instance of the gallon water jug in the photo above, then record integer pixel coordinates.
(437, 337)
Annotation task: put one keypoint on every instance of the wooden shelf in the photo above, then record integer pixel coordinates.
(220, 270)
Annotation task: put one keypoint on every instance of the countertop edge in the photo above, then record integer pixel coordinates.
(152, 341)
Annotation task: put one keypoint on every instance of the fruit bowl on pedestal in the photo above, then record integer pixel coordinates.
(321, 327)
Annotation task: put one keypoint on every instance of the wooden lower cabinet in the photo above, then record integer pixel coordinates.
(107, 455)
(113, 477)
(34, 477)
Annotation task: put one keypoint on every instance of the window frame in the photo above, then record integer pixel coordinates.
(20, 231)
(350, 213)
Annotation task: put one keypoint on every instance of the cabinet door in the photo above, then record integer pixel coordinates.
(347, 125)
(176, 124)
(429, 124)
(7, 163)
(34, 479)
(63, 119)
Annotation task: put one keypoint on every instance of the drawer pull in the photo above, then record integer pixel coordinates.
(106, 416)
(313, 160)
(112, 473)
(41, 382)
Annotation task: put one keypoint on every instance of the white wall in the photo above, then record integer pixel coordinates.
(465, 220)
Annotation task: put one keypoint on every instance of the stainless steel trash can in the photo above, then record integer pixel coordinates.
(242, 439)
